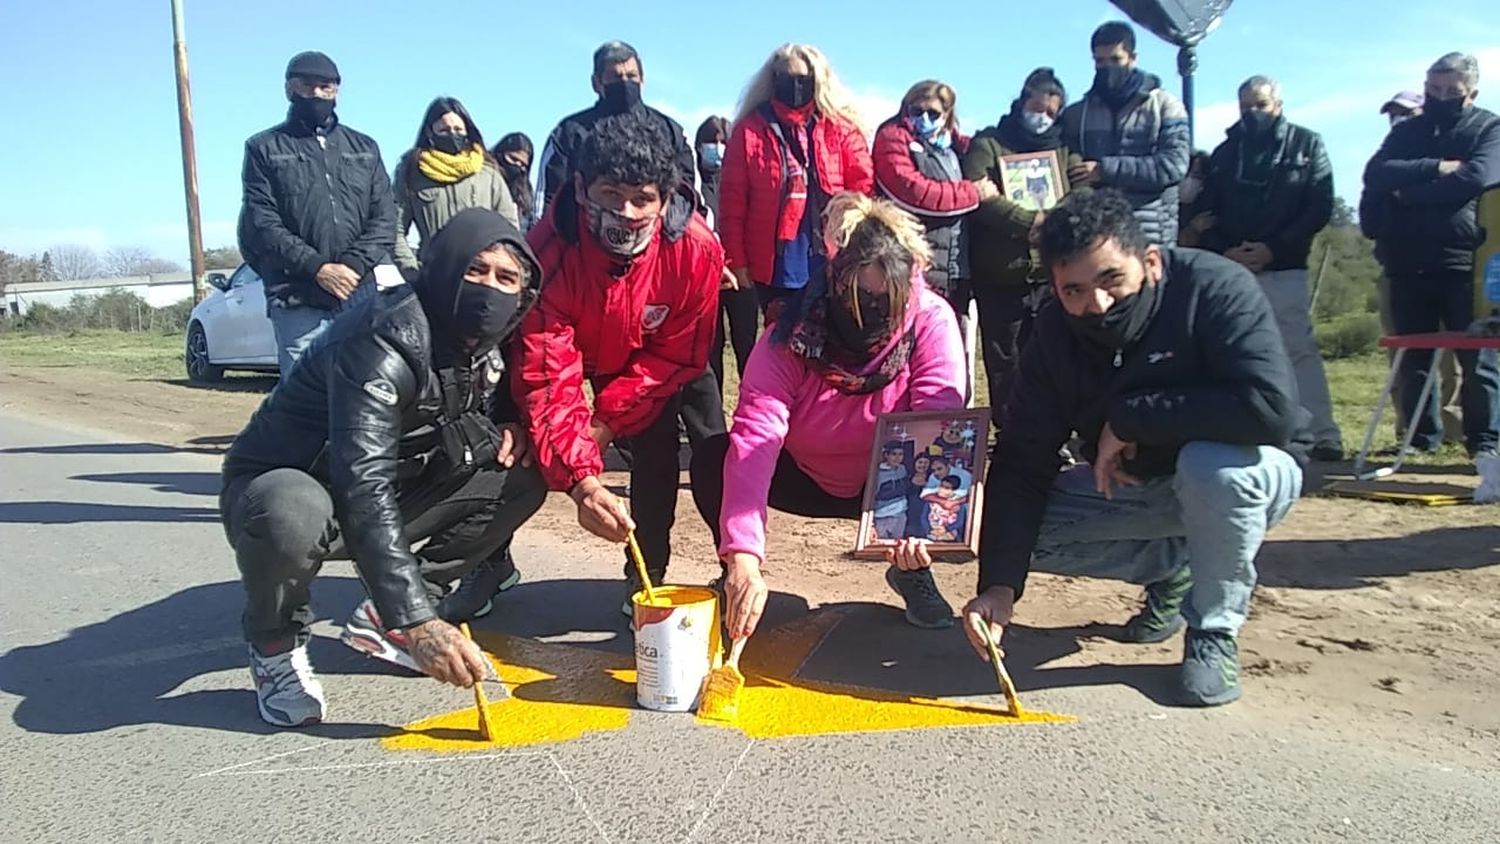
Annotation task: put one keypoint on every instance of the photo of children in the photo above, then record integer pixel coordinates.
(922, 481)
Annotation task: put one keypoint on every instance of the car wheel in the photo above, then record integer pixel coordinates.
(199, 368)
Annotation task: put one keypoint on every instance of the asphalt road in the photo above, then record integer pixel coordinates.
(127, 716)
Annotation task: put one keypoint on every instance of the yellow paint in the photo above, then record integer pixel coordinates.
(563, 692)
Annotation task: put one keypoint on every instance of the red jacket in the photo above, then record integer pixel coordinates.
(751, 182)
(638, 337)
(899, 178)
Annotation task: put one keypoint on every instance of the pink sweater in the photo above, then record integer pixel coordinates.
(785, 404)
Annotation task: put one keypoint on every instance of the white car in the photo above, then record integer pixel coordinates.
(229, 329)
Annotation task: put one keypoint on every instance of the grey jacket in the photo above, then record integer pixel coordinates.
(1142, 150)
(431, 205)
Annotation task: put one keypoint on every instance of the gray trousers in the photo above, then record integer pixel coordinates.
(1449, 377)
(282, 527)
(1287, 292)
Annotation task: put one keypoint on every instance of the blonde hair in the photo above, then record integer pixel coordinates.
(940, 91)
(829, 94)
(863, 232)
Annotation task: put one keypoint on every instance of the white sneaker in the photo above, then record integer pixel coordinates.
(286, 690)
(364, 632)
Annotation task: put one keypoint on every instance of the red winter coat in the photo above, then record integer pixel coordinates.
(899, 178)
(638, 337)
(751, 182)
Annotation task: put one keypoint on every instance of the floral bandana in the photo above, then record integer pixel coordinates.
(813, 339)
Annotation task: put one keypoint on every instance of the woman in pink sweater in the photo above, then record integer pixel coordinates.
(867, 337)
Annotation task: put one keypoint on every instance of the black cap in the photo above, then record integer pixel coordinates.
(313, 65)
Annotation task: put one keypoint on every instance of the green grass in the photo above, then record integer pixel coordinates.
(141, 353)
(1354, 384)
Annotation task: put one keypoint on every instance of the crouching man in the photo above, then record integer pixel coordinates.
(394, 428)
(1169, 365)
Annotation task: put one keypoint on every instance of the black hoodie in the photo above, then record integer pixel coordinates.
(357, 410)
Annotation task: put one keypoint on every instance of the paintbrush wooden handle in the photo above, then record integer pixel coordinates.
(1002, 677)
(640, 565)
(736, 647)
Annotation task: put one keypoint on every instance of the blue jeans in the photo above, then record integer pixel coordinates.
(297, 327)
(1443, 300)
(1210, 516)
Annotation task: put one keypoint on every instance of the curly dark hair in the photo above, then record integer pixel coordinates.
(1087, 219)
(630, 148)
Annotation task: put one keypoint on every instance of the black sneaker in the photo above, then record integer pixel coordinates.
(925, 605)
(475, 595)
(1210, 669)
(1161, 617)
(1327, 452)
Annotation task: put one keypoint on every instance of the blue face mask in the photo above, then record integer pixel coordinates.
(942, 141)
(713, 154)
(925, 124)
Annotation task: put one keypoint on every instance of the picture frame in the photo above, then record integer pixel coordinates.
(904, 495)
(1033, 180)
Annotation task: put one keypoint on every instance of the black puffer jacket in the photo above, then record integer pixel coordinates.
(307, 204)
(360, 411)
(559, 156)
(1421, 221)
(1211, 365)
(1285, 209)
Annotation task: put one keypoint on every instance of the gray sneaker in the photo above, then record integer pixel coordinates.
(1161, 617)
(1210, 669)
(475, 595)
(286, 690)
(925, 605)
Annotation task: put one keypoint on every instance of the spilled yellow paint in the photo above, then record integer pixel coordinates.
(563, 692)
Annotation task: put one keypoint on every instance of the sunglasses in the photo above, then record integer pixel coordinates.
(931, 113)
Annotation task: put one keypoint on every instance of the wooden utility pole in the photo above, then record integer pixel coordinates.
(189, 153)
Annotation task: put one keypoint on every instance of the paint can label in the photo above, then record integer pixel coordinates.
(674, 644)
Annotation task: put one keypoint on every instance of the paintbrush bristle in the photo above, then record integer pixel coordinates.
(721, 695)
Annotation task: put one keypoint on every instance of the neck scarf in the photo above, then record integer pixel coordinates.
(446, 169)
(812, 340)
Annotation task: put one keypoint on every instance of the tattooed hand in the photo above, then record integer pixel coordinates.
(443, 653)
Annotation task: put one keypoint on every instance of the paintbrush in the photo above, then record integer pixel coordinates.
(721, 691)
(1002, 676)
(481, 702)
(640, 568)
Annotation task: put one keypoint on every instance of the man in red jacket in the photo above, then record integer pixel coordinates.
(629, 301)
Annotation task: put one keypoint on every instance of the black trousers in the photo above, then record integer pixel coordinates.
(656, 472)
(1006, 315)
(741, 310)
(282, 527)
(792, 490)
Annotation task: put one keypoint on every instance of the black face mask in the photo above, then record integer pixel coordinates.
(1257, 123)
(1444, 112)
(315, 112)
(793, 91)
(1120, 326)
(875, 312)
(621, 96)
(513, 171)
(1111, 80)
(451, 144)
(485, 314)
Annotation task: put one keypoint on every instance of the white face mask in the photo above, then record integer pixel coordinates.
(1037, 121)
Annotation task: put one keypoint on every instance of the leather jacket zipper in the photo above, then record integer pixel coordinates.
(1119, 358)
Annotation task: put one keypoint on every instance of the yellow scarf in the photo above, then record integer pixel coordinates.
(446, 169)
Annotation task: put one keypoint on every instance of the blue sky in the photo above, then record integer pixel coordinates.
(90, 136)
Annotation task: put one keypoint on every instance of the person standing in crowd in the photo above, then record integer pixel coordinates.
(869, 338)
(1402, 107)
(1269, 194)
(737, 305)
(796, 143)
(317, 216)
(618, 79)
(1420, 205)
(1131, 134)
(1168, 363)
(446, 171)
(394, 428)
(514, 154)
(1009, 285)
(632, 293)
(918, 165)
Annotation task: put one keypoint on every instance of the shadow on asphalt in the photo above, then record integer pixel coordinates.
(187, 483)
(1354, 563)
(79, 512)
(214, 445)
(122, 672)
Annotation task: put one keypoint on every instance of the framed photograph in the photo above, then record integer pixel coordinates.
(1033, 180)
(926, 480)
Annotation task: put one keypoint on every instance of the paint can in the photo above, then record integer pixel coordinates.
(675, 640)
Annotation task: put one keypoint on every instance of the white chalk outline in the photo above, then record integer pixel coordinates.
(733, 769)
(261, 760)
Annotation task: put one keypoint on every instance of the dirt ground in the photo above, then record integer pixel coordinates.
(1374, 622)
